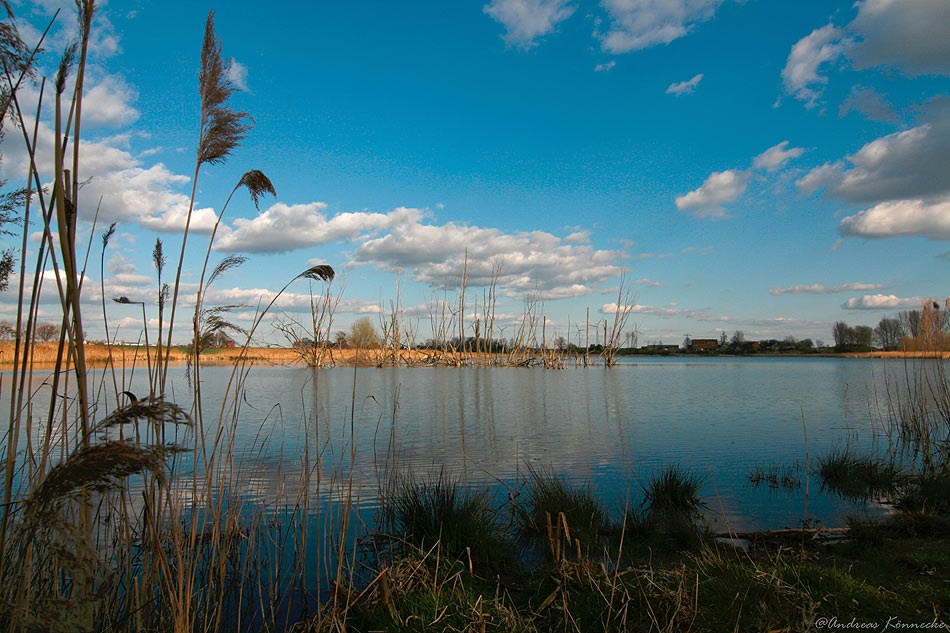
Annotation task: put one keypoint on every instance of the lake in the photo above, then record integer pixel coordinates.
(609, 428)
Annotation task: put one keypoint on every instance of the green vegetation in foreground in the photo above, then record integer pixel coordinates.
(639, 575)
(887, 571)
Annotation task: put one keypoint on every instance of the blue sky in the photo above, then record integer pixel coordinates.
(765, 166)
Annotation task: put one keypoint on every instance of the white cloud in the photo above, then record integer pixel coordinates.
(103, 41)
(285, 227)
(910, 35)
(820, 177)
(133, 279)
(685, 87)
(930, 219)
(800, 74)
(128, 191)
(868, 102)
(909, 164)
(565, 292)
(720, 188)
(776, 157)
(599, 68)
(648, 282)
(108, 103)
(822, 289)
(527, 20)
(638, 24)
(665, 313)
(118, 264)
(531, 261)
(882, 302)
(578, 237)
(237, 74)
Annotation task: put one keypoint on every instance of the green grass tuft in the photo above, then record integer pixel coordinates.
(463, 523)
(551, 502)
(857, 477)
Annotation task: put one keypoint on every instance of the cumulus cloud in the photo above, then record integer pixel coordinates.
(118, 264)
(822, 289)
(108, 102)
(658, 311)
(685, 87)
(563, 292)
(578, 237)
(648, 282)
(820, 177)
(882, 302)
(133, 279)
(908, 164)
(776, 157)
(910, 35)
(285, 227)
(129, 191)
(237, 74)
(801, 73)
(720, 188)
(868, 102)
(527, 20)
(638, 24)
(534, 261)
(606, 66)
(930, 219)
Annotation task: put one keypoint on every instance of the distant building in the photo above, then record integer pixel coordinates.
(660, 348)
(220, 339)
(703, 345)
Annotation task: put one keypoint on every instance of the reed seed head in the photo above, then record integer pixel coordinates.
(257, 185)
(222, 128)
(320, 272)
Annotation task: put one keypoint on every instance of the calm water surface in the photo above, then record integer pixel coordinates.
(609, 428)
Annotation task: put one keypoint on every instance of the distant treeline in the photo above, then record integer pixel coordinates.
(926, 329)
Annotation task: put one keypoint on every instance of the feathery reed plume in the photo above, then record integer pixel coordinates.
(65, 64)
(107, 235)
(257, 185)
(226, 264)
(14, 52)
(158, 257)
(99, 468)
(222, 128)
(155, 410)
(320, 272)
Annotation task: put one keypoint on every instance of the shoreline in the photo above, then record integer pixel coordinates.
(44, 356)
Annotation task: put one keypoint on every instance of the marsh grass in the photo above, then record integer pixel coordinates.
(787, 477)
(858, 476)
(462, 524)
(673, 504)
(552, 508)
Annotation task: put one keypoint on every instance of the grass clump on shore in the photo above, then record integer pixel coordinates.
(673, 504)
(553, 509)
(461, 524)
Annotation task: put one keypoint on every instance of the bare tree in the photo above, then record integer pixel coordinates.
(47, 332)
(888, 333)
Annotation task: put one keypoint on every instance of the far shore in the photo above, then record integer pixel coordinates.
(44, 355)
